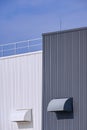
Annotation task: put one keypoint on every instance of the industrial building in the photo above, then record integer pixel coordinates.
(45, 87)
(21, 86)
(65, 80)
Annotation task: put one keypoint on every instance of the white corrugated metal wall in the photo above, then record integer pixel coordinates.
(21, 87)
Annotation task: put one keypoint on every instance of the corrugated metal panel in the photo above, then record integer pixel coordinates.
(21, 87)
(65, 75)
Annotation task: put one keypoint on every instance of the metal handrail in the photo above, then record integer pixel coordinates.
(16, 46)
(12, 43)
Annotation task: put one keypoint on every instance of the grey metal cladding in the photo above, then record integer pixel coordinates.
(65, 75)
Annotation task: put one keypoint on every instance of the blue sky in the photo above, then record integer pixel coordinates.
(27, 19)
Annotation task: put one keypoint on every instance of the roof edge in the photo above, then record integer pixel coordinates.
(65, 31)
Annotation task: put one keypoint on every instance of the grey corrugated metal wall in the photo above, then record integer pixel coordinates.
(65, 75)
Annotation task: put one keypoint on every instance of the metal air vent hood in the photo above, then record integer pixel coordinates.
(21, 115)
(64, 104)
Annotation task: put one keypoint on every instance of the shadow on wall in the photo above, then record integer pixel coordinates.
(64, 115)
(25, 125)
(63, 108)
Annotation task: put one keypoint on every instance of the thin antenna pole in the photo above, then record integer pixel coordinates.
(60, 28)
(60, 24)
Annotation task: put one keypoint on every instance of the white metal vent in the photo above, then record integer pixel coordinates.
(21, 115)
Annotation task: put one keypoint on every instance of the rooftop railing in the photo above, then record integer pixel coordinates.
(21, 47)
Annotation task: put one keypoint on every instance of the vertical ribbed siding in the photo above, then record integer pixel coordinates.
(21, 87)
(65, 75)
